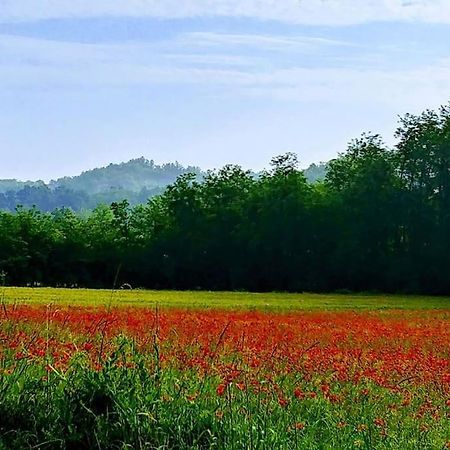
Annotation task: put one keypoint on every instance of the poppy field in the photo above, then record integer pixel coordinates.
(111, 374)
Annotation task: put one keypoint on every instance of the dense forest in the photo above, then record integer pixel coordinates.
(380, 221)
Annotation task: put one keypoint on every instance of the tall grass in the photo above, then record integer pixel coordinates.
(130, 402)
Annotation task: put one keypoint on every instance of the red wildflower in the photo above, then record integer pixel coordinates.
(221, 389)
(379, 422)
(299, 394)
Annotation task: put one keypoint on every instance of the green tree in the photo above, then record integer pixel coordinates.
(366, 189)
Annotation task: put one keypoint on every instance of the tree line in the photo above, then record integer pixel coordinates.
(380, 221)
(47, 199)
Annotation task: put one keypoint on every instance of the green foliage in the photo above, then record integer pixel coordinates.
(380, 221)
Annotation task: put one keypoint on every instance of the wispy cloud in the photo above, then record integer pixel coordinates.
(262, 41)
(27, 62)
(212, 59)
(401, 90)
(195, 47)
(336, 12)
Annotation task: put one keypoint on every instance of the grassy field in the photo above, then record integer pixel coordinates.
(99, 369)
(226, 300)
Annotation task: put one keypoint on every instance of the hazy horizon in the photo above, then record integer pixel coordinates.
(84, 84)
(157, 163)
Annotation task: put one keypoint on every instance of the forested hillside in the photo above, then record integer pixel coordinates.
(132, 176)
(379, 221)
(136, 180)
(12, 185)
(316, 172)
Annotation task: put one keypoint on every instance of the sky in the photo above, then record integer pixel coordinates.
(84, 83)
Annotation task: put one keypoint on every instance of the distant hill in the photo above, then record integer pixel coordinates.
(14, 185)
(132, 176)
(316, 172)
(136, 180)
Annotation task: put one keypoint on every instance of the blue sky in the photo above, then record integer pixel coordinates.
(209, 82)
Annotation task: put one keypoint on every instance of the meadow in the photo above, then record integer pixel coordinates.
(200, 370)
(222, 300)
